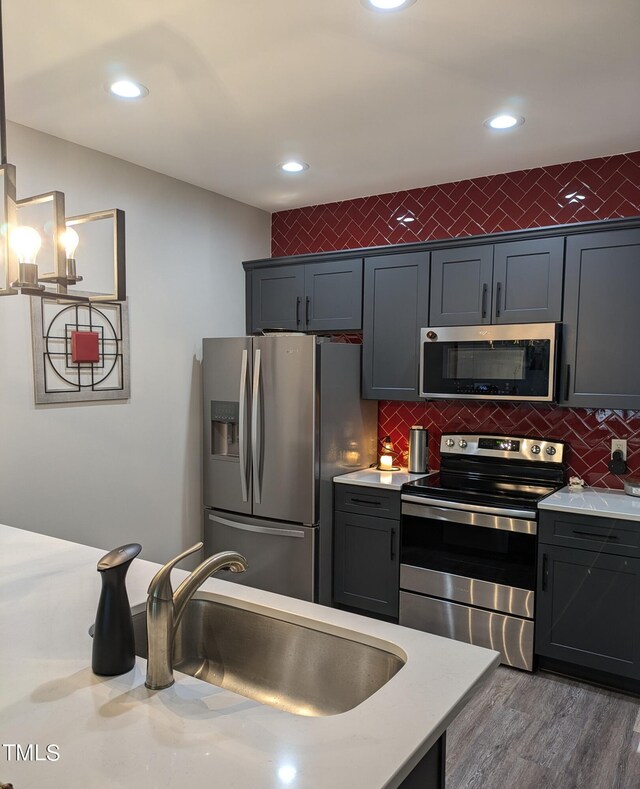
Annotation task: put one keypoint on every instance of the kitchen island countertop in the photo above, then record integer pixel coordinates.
(114, 732)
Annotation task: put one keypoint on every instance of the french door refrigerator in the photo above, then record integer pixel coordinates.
(282, 417)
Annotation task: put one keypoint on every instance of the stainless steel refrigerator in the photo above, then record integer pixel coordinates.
(282, 417)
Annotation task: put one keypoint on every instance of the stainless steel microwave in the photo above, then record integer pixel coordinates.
(510, 362)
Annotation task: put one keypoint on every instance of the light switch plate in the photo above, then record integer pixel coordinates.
(621, 444)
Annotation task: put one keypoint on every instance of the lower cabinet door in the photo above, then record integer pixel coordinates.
(588, 609)
(366, 564)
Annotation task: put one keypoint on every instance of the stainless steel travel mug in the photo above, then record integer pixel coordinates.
(418, 449)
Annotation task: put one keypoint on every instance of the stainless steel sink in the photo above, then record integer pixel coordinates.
(290, 666)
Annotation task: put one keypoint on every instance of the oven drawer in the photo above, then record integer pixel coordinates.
(509, 635)
(361, 500)
(592, 533)
(482, 594)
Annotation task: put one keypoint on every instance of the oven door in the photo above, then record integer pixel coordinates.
(516, 362)
(469, 574)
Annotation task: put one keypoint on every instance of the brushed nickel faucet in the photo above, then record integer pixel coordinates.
(165, 609)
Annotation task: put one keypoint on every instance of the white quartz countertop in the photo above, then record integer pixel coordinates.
(114, 732)
(374, 478)
(594, 501)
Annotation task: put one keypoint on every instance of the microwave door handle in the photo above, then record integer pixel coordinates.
(256, 428)
(242, 425)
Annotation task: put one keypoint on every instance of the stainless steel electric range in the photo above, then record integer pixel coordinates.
(468, 547)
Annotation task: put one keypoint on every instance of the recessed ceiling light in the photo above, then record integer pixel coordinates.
(504, 121)
(294, 167)
(128, 89)
(387, 5)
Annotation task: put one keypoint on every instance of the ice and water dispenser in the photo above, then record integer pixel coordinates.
(225, 418)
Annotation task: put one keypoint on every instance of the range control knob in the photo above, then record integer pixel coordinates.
(449, 442)
(462, 443)
(550, 450)
(535, 449)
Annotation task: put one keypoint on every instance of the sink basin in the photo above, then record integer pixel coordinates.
(287, 665)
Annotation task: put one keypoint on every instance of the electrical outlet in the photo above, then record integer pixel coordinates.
(621, 444)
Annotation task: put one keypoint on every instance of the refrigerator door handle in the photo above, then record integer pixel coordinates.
(256, 428)
(258, 529)
(242, 426)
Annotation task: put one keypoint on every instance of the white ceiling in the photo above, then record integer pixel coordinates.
(373, 102)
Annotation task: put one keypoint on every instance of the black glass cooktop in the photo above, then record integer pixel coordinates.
(493, 492)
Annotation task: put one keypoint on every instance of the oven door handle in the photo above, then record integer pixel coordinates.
(457, 505)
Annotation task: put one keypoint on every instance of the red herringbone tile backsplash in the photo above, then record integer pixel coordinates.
(604, 188)
(588, 431)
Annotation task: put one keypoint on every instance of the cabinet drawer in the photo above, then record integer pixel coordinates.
(604, 535)
(362, 500)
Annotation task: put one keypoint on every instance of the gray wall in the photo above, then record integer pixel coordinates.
(104, 474)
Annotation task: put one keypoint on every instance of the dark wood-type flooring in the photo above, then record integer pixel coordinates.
(540, 731)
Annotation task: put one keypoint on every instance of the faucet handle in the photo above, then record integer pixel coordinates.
(160, 586)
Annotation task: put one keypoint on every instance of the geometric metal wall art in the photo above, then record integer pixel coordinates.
(80, 351)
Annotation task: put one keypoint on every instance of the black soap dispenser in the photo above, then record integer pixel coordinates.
(113, 643)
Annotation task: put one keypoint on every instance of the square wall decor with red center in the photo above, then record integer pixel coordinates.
(85, 347)
(80, 351)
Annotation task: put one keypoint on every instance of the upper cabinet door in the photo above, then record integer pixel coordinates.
(461, 286)
(602, 320)
(333, 295)
(527, 281)
(396, 303)
(277, 296)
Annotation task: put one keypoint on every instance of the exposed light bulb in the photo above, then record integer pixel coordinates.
(70, 241)
(26, 243)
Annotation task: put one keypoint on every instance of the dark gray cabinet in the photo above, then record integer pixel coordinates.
(366, 561)
(588, 595)
(396, 307)
(516, 282)
(461, 286)
(307, 297)
(527, 281)
(602, 320)
(277, 296)
(333, 295)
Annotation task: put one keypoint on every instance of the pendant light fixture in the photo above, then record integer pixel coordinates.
(38, 223)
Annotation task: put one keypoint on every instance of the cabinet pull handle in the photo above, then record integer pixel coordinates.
(484, 300)
(593, 536)
(498, 294)
(545, 571)
(297, 310)
(366, 503)
(566, 382)
(393, 543)
(306, 310)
